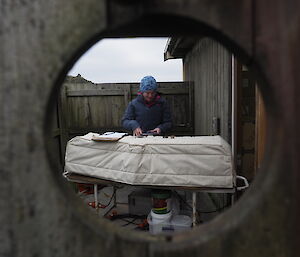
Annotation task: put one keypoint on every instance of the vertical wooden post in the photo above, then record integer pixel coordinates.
(260, 129)
(62, 119)
(234, 84)
(127, 94)
(191, 105)
(238, 126)
(194, 201)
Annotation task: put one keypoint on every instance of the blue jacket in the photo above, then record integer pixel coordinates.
(139, 114)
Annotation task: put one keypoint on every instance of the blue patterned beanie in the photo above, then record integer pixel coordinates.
(148, 83)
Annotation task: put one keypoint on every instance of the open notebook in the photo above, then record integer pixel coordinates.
(108, 136)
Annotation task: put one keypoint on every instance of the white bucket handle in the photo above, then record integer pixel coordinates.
(246, 183)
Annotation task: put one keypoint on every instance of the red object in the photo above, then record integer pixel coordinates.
(143, 224)
(112, 215)
(85, 188)
(93, 205)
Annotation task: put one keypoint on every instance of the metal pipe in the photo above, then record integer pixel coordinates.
(96, 196)
(194, 200)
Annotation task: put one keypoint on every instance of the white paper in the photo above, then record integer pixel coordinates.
(111, 135)
(90, 135)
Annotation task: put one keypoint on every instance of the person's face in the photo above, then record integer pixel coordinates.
(149, 95)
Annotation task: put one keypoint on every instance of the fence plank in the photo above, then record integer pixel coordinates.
(127, 94)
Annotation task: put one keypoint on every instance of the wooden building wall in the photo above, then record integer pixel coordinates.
(208, 65)
(246, 122)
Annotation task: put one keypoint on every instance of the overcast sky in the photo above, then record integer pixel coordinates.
(127, 60)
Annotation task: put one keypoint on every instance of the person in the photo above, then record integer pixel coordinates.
(149, 112)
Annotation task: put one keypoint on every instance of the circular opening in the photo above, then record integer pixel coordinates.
(242, 80)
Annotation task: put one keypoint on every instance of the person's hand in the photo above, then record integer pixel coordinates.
(156, 130)
(137, 132)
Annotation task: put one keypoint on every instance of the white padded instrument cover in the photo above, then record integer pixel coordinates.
(200, 161)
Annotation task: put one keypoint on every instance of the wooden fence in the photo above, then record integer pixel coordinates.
(87, 107)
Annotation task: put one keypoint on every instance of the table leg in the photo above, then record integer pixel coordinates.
(233, 197)
(96, 196)
(194, 200)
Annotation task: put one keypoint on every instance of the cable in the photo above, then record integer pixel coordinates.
(130, 222)
(110, 198)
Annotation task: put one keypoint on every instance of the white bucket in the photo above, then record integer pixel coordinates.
(158, 218)
(158, 222)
